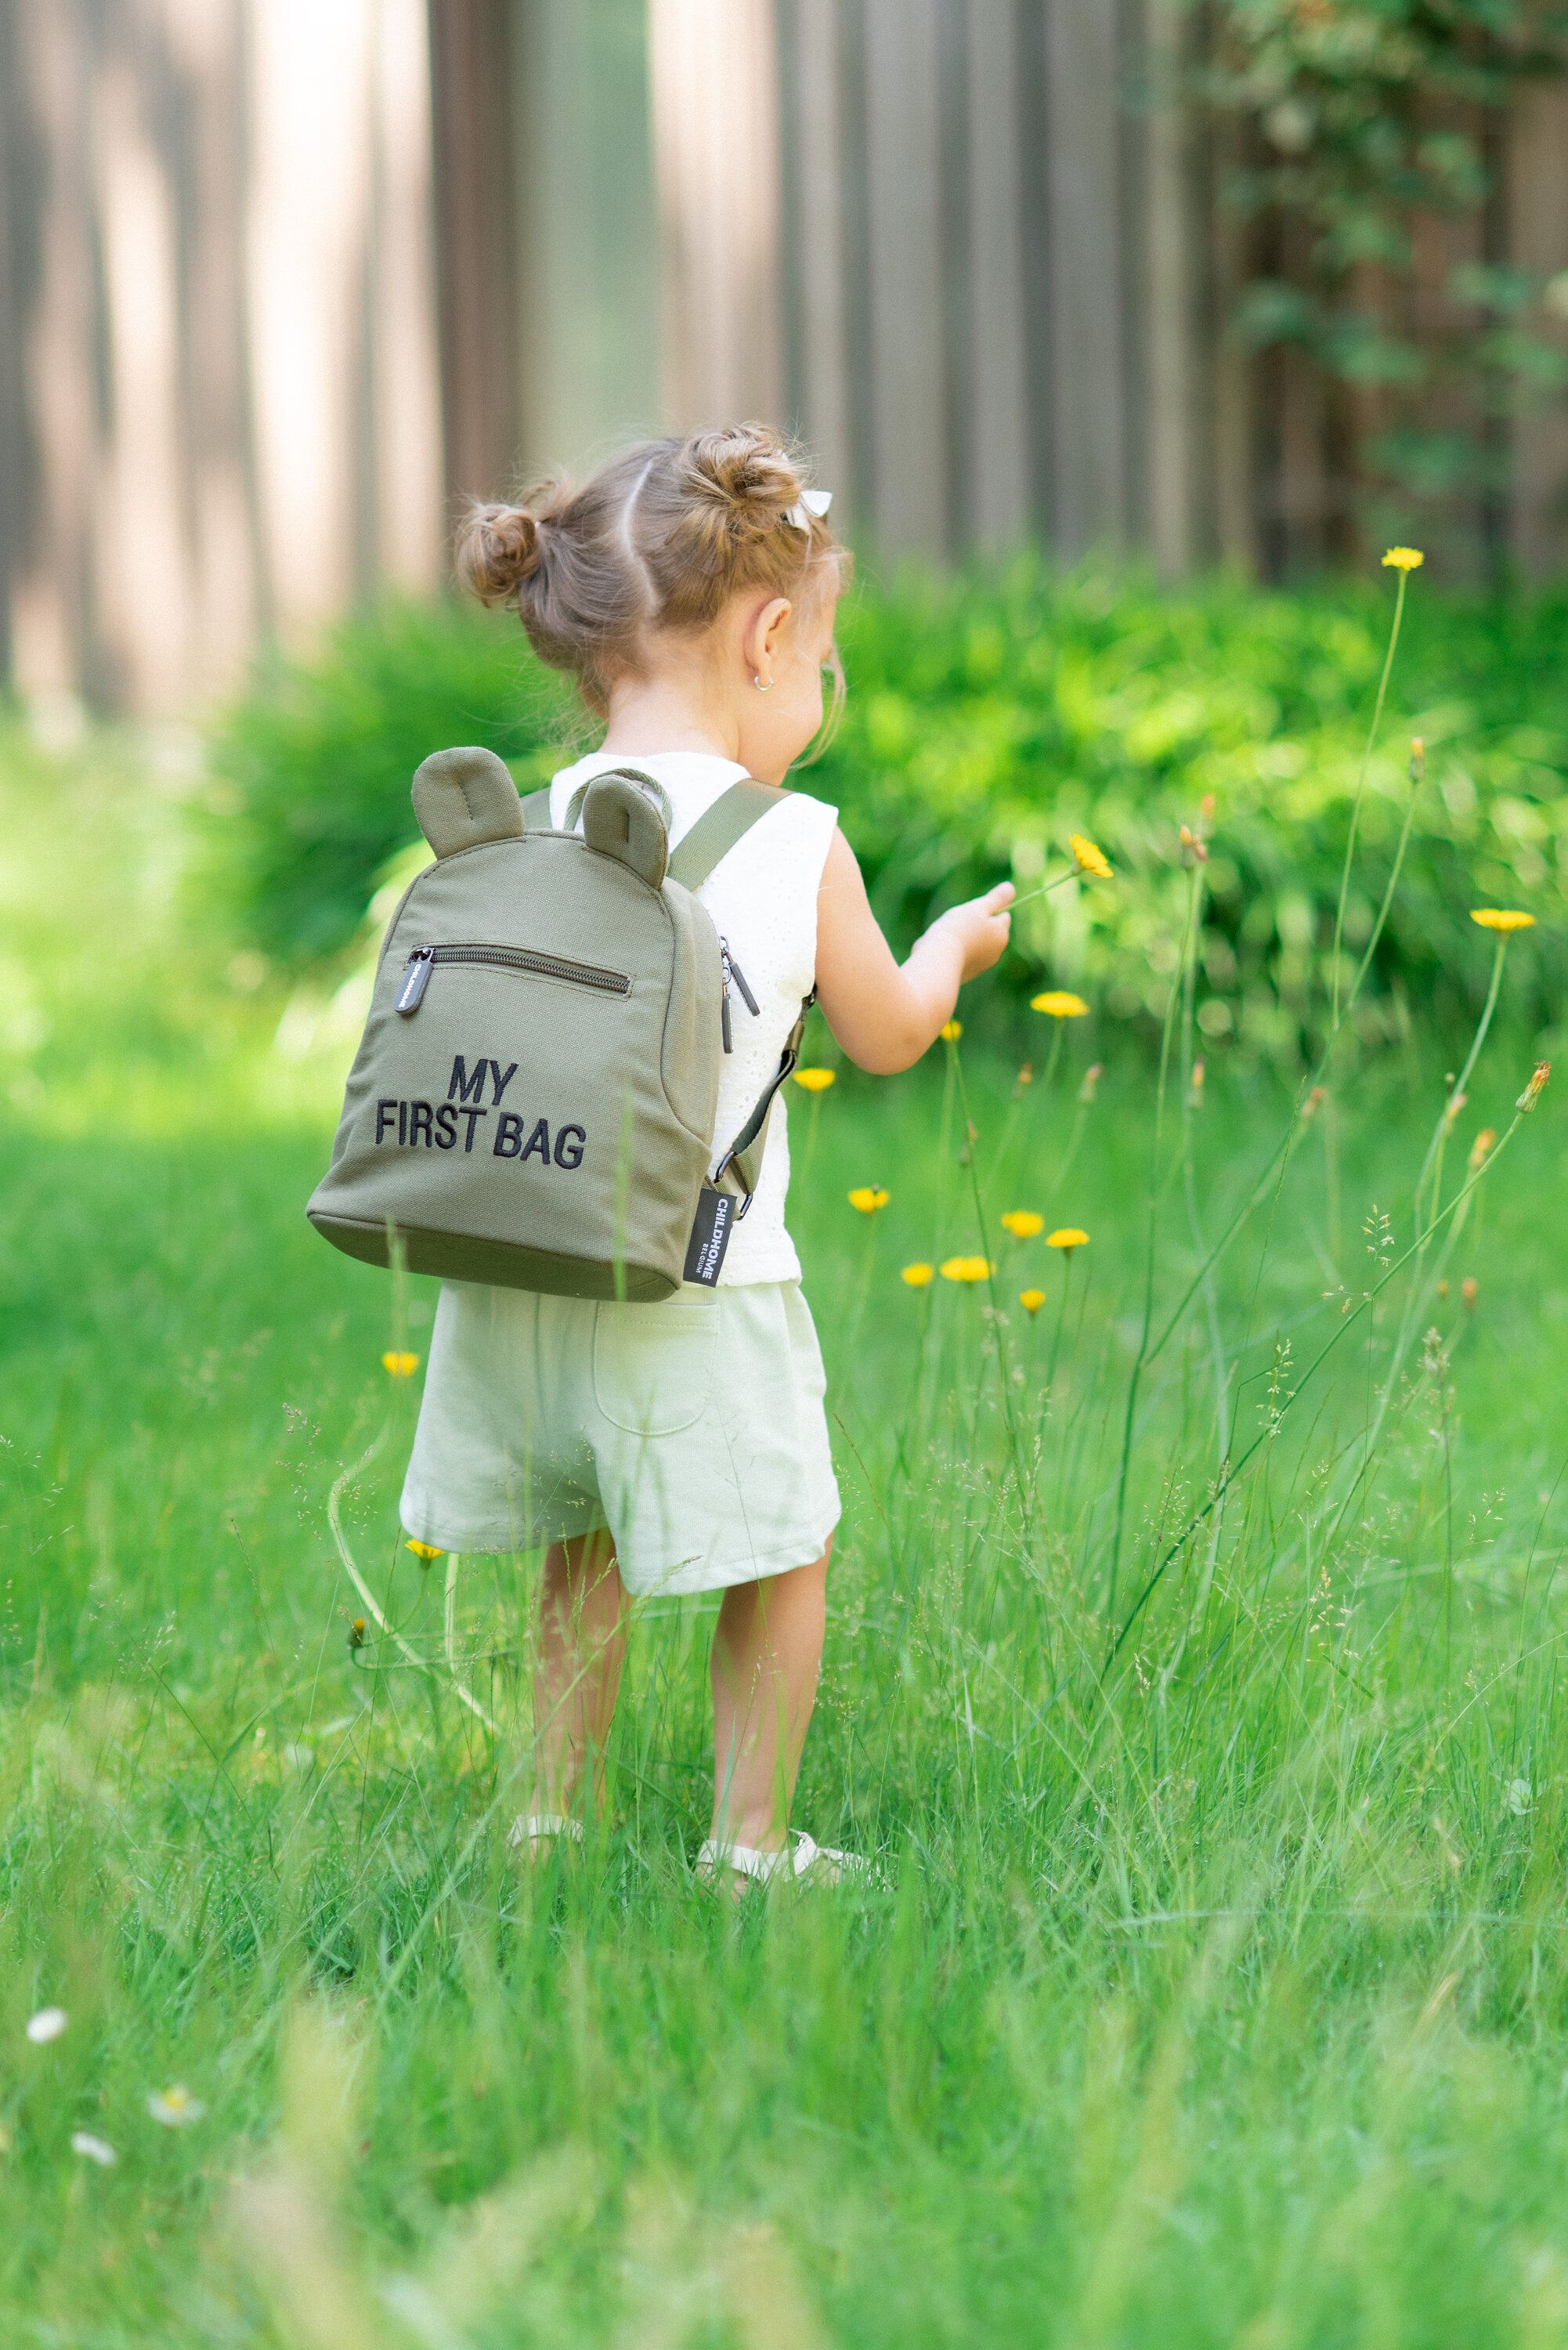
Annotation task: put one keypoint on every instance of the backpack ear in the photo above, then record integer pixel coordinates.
(621, 821)
(464, 797)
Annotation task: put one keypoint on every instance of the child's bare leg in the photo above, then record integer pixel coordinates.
(582, 1645)
(767, 1654)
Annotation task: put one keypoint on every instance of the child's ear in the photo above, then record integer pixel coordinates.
(763, 637)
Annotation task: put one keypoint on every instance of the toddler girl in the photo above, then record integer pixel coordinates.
(689, 587)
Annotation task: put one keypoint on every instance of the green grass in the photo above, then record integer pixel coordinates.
(1217, 1995)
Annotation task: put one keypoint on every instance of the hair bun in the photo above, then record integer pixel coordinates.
(748, 468)
(497, 551)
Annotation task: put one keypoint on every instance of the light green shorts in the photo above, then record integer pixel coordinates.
(694, 1430)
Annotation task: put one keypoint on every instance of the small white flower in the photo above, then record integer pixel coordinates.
(1519, 1797)
(174, 2107)
(47, 2025)
(94, 2149)
(299, 1758)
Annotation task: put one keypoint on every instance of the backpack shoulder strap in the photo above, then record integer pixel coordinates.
(536, 810)
(743, 1159)
(718, 830)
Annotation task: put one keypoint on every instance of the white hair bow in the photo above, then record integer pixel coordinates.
(809, 503)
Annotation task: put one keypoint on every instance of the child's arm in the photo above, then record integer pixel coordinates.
(885, 1016)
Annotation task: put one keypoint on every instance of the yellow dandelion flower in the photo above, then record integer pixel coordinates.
(951, 1030)
(356, 1633)
(1403, 558)
(814, 1081)
(1469, 1289)
(1482, 1147)
(1503, 919)
(401, 1366)
(869, 1198)
(966, 1268)
(1067, 1236)
(1022, 1223)
(424, 1552)
(1060, 1003)
(1089, 858)
(917, 1276)
(1031, 1300)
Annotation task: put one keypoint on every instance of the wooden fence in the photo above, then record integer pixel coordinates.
(218, 397)
(977, 252)
(280, 283)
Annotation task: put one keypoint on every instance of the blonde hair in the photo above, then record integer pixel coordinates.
(661, 536)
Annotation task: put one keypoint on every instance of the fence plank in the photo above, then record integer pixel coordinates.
(1087, 258)
(1537, 191)
(814, 236)
(1037, 264)
(589, 338)
(713, 68)
(1166, 294)
(904, 159)
(472, 98)
(998, 423)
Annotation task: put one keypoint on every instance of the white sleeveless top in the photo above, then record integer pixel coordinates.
(762, 897)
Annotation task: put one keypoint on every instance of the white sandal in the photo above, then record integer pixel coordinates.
(540, 1826)
(822, 1864)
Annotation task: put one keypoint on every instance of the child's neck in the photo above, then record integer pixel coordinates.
(656, 714)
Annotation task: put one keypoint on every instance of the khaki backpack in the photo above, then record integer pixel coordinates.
(532, 1100)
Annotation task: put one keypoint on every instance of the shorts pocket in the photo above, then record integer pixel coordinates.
(653, 1365)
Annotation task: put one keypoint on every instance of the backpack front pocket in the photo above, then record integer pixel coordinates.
(653, 1365)
(530, 960)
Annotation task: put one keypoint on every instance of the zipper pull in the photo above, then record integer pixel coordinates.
(726, 971)
(739, 976)
(416, 979)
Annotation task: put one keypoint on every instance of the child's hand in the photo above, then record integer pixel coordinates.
(980, 928)
(885, 1016)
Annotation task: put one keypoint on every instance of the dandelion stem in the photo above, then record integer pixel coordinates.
(1067, 1257)
(1189, 1180)
(1044, 889)
(341, 1483)
(1360, 792)
(1423, 1234)
(1280, 1157)
(1003, 1365)
(1142, 1357)
(1447, 1113)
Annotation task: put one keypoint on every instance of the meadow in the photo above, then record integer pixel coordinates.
(1191, 1673)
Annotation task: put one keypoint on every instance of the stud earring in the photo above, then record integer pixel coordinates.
(760, 686)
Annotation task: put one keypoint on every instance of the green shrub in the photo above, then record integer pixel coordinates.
(987, 716)
(987, 720)
(313, 764)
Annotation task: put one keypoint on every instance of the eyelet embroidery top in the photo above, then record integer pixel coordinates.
(762, 897)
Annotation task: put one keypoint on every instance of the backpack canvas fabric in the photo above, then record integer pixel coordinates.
(533, 1101)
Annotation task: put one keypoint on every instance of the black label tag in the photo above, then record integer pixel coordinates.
(710, 1230)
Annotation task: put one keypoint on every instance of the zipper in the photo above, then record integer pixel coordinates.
(731, 970)
(423, 959)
